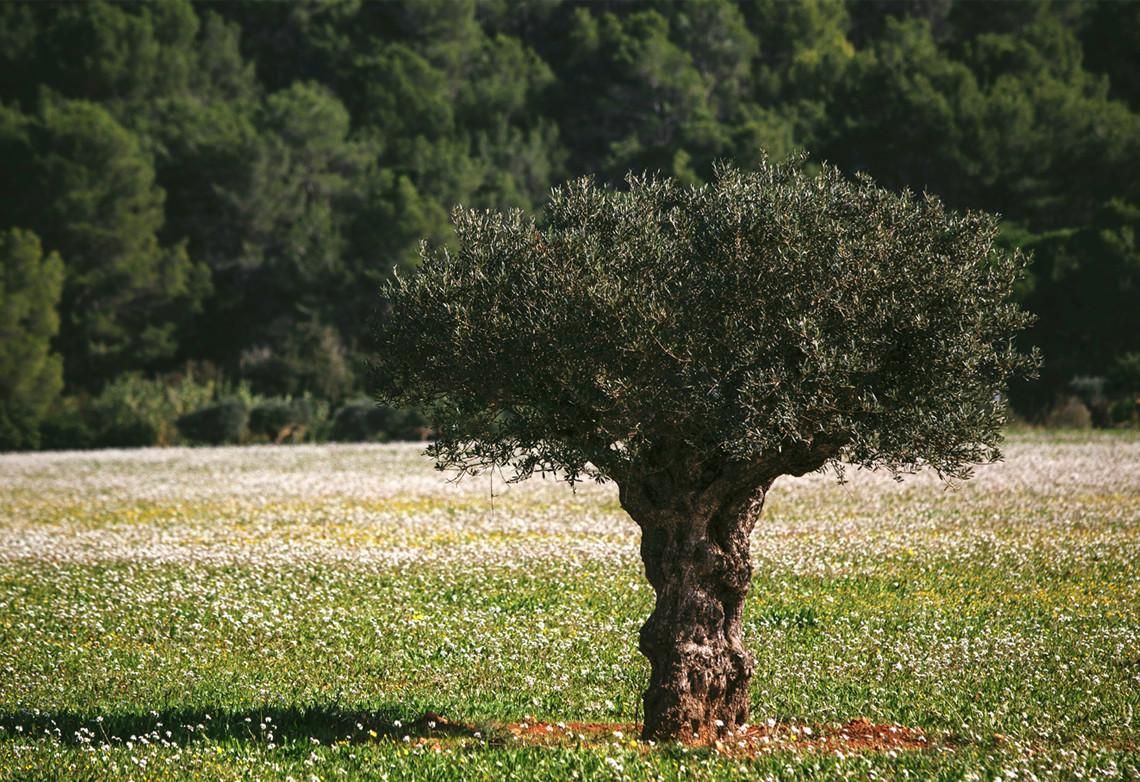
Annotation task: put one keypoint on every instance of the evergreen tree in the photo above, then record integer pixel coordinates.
(259, 164)
(31, 374)
(85, 185)
(282, 218)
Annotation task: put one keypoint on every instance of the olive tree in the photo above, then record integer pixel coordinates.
(692, 344)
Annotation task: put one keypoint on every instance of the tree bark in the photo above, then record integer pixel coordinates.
(695, 546)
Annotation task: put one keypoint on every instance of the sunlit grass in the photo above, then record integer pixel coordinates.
(292, 612)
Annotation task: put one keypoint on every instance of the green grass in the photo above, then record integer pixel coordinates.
(271, 613)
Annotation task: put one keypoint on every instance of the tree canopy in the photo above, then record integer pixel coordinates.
(773, 318)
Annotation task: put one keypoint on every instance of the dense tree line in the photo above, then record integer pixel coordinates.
(218, 188)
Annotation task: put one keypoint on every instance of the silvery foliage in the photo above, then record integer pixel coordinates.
(777, 317)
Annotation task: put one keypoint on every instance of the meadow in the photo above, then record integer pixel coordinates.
(345, 612)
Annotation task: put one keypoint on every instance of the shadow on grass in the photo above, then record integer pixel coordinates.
(181, 726)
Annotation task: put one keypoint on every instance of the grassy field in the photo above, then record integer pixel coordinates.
(290, 613)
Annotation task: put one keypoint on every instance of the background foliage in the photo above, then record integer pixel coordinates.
(225, 184)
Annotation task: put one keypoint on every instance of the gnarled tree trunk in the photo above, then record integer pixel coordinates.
(695, 546)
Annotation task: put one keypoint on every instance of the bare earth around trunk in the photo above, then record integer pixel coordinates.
(855, 736)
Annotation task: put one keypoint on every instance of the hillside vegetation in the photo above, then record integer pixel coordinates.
(225, 184)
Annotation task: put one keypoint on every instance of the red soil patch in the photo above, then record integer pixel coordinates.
(858, 735)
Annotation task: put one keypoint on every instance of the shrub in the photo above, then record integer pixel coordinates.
(280, 419)
(362, 420)
(216, 424)
(67, 427)
(19, 427)
(1125, 412)
(135, 433)
(1124, 374)
(1124, 377)
(358, 421)
(1069, 413)
(135, 411)
(1091, 391)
